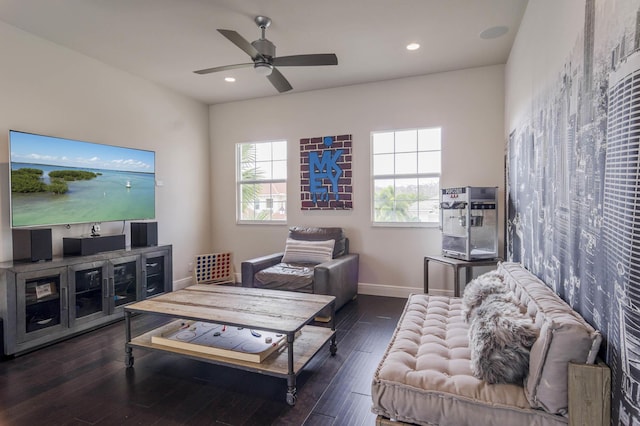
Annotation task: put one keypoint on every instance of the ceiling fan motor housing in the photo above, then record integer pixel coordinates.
(265, 48)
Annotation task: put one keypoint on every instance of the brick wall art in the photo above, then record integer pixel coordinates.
(325, 173)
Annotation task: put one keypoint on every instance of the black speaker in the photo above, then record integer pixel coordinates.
(91, 245)
(144, 234)
(32, 245)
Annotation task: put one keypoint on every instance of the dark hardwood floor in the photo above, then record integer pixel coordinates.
(83, 380)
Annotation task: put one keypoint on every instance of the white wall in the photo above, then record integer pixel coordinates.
(547, 34)
(51, 90)
(467, 104)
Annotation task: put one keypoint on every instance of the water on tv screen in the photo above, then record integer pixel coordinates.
(58, 181)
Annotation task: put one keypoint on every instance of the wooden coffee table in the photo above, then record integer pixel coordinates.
(277, 311)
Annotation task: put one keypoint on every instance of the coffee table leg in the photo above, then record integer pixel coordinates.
(291, 376)
(128, 350)
(333, 347)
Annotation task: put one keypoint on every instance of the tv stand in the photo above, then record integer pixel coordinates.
(45, 302)
(92, 245)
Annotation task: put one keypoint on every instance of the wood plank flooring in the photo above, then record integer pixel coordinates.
(83, 380)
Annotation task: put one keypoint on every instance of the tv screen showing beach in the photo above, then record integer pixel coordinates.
(58, 181)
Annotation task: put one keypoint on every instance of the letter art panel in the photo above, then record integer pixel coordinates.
(325, 173)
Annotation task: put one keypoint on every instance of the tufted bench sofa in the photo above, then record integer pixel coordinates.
(425, 375)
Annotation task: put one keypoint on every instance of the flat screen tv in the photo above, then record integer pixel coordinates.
(57, 181)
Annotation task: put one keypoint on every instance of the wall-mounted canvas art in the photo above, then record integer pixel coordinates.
(325, 173)
(573, 189)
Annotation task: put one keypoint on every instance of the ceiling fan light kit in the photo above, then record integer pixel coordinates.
(263, 55)
(263, 69)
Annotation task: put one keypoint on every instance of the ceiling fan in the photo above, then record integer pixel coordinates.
(263, 55)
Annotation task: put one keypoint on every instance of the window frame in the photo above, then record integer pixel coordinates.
(396, 176)
(258, 181)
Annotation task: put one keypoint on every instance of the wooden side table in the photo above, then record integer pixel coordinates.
(456, 264)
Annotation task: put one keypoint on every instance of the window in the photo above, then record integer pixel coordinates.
(261, 176)
(406, 176)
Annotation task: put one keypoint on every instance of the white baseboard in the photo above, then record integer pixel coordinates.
(363, 288)
(182, 283)
(387, 290)
(396, 291)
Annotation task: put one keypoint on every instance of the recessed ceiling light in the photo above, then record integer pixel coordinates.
(494, 32)
(229, 79)
(413, 46)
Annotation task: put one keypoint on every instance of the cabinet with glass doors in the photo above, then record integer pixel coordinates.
(44, 302)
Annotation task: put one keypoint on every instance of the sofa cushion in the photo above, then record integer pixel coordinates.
(564, 336)
(321, 234)
(286, 276)
(314, 252)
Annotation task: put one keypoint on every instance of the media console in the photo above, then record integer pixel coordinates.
(44, 302)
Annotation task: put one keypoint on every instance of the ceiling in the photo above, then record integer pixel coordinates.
(164, 41)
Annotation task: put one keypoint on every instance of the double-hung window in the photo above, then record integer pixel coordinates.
(261, 182)
(406, 177)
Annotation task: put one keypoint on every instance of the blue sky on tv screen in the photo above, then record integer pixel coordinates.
(37, 149)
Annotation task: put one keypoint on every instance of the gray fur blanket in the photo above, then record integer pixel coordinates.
(500, 334)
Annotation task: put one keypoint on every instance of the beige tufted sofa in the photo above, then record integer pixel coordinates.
(425, 376)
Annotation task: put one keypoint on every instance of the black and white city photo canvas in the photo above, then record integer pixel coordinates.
(573, 196)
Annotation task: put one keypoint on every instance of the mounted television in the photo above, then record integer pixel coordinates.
(57, 181)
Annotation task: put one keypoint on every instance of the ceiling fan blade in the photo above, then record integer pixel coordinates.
(223, 68)
(279, 82)
(242, 43)
(306, 60)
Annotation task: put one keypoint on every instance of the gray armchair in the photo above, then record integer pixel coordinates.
(336, 277)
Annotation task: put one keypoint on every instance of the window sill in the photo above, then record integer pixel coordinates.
(405, 224)
(262, 222)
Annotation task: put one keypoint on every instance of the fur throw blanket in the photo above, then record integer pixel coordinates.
(500, 334)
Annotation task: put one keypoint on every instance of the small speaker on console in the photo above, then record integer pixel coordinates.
(144, 234)
(32, 245)
(91, 245)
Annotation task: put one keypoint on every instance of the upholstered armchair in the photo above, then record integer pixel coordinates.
(315, 260)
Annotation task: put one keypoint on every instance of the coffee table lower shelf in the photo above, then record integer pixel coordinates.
(305, 346)
(276, 311)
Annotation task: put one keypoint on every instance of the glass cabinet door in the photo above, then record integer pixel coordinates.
(155, 276)
(157, 273)
(42, 302)
(454, 227)
(124, 281)
(87, 292)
